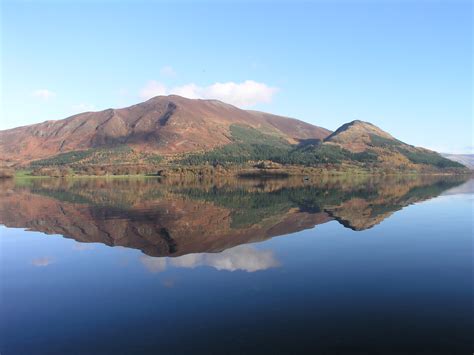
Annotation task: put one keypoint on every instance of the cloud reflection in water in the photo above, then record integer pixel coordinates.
(43, 261)
(243, 257)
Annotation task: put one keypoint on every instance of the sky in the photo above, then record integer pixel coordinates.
(405, 66)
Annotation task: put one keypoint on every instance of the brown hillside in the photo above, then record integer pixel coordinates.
(356, 135)
(365, 140)
(164, 124)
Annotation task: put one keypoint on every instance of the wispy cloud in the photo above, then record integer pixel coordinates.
(244, 257)
(43, 261)
(245, 94)
(152, 89)
(153, 264)
(44, 94)
(82, 246)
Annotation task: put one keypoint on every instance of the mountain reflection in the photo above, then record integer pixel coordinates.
(181, 218)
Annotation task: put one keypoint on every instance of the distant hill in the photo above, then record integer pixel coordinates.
(465, 159)
(169, 133)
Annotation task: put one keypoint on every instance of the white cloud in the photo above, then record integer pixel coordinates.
(153, 264)
(244, 257)
(41, 262)
(245, 94)
(191, 91)
(44, 94)
(248, 93)
(168, 71)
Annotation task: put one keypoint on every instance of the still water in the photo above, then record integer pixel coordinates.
(334, 266)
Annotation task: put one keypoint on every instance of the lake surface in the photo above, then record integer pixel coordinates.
(333, 266)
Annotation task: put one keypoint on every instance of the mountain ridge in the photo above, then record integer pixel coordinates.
(164, 124)
(177, 132)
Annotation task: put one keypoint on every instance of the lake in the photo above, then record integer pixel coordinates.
(343, 265)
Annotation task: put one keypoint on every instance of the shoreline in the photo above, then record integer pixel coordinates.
(247, 173)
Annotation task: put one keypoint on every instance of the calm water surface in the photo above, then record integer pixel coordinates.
(338, 266)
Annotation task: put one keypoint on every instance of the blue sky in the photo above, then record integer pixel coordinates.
(405, 66)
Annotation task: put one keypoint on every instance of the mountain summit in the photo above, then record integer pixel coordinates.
(356, 135)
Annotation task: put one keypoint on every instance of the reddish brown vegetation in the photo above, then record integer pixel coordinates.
(164, 125)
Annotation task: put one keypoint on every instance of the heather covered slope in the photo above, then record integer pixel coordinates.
(164, 125)
(355, 145)
(361, 137)
(357, 135)
(172, 133)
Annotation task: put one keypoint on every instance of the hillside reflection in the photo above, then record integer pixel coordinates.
(177, 218)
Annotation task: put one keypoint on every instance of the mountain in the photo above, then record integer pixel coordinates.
(465, 159)
(163, 125)
(175, 135)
